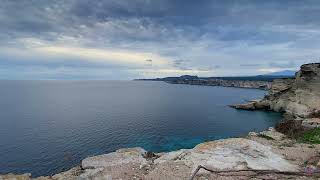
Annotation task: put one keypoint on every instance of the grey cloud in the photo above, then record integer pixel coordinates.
(208, 34)
(251, 65)
(290, 64)
(211, 68)
(181, 64)
(144, 20)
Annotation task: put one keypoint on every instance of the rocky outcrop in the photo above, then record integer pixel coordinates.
(132, 163)
(245, 106)
(236, 153)
(267, 150)
(252, 105)
(227, 154)
(298, 97)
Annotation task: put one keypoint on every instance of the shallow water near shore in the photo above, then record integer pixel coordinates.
(50, 126)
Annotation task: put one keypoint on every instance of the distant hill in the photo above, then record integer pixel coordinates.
(281, 73)
(251, 78)
(231, 78)
(266, 77)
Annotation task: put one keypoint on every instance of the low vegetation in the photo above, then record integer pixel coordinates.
(311, 136)
(265, 136)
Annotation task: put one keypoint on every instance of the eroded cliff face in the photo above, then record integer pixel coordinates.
(299, 97)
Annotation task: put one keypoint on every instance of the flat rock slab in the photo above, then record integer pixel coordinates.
(120, 157)
(272, 133)
(235, 153)
(228, 154)
(123, 163)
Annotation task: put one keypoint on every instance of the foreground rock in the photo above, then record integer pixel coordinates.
(253, 152)
(237, 153)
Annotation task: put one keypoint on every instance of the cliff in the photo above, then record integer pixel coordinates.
(298, 98)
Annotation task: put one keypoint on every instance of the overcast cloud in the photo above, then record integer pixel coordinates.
(118, 39)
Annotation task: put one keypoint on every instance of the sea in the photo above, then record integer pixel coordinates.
(49, 126)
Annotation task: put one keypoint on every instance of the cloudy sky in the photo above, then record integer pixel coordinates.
(126, 39)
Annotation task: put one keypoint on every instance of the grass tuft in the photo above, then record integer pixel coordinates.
(265, 136)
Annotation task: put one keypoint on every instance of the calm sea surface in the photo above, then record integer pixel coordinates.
(49, 126)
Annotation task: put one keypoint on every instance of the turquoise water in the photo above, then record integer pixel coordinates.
(49, 126)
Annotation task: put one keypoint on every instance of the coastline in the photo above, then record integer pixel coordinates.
(266, 150)
(263, 83)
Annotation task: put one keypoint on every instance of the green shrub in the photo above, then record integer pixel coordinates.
(311, 136)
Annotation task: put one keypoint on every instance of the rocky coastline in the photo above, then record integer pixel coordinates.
(252, 82)
(265, 85)
(298, 99)
(266, 151)
(273, 150)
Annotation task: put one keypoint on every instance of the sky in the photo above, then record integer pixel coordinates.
(128, 39)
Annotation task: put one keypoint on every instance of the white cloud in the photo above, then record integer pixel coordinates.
(103, 55)
(271, 70)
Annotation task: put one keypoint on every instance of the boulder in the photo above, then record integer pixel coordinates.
(120, 157)
(272, 133)
(235, 153)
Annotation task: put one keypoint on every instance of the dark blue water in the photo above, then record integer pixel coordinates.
(49, 126)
